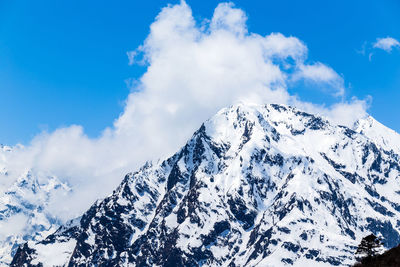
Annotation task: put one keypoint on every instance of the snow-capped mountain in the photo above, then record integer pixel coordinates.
(254, 186)
(24, 213)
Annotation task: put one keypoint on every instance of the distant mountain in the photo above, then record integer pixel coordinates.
(24, 213)
(254, 186)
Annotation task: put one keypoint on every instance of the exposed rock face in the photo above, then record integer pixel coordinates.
(255, 186)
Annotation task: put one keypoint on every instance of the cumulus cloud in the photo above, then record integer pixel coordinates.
(386, 44)
(193, 69)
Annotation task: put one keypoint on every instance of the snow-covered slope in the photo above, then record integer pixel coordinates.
(380, 134)
(255, 186)
(24, 213)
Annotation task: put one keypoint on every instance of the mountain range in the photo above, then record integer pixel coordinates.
(256, 185)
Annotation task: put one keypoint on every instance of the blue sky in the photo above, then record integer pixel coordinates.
(66, 63)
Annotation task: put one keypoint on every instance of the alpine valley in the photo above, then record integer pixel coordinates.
(256, 185)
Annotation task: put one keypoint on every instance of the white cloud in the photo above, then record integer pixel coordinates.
(386, 44)
(278, 45)
(320, 73)
(193, 70)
